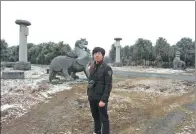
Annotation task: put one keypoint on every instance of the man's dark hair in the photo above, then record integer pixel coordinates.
(98, 49)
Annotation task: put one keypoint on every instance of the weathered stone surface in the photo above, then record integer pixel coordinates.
(22, 66)
(12, 75)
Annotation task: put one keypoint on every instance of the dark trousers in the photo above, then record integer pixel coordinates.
(100, 116)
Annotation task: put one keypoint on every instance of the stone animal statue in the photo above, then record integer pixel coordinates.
(70, 65)
(178, 64)
(79, 45)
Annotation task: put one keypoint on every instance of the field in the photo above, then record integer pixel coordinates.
(136, 106)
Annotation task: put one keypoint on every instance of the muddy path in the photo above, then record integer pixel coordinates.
(47, 118)
(66, 113)
(171, 122)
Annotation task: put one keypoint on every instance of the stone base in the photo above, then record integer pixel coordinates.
(7, 64)
(22, 66)
(117, 64)
(12, 75)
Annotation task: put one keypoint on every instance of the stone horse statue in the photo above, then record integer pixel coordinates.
(72, 63)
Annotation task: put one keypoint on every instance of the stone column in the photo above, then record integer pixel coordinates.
(23, 33)
(23, 63)
(178, 54)
(117, 44)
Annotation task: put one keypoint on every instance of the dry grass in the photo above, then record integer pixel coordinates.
(129, 110)
(135, 108)
(154, 105)
(163, 104)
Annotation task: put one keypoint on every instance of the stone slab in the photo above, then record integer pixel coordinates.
(12, 75)
(7, 64)
(22, 66)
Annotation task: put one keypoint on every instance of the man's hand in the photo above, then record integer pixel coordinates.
(101, 104)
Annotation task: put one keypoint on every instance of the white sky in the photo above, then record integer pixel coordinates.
(98, 21)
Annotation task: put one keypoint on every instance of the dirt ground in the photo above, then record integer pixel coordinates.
(136, 106)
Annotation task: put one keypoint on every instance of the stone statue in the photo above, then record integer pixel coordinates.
(79, 45)
(177, 63)
(72, 63)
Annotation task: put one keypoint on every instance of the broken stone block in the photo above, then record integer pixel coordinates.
(22, 66)
(12, 75)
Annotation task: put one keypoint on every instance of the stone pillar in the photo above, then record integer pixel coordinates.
(117, 44)
(23, 63)
(178, 54)
(23, 33)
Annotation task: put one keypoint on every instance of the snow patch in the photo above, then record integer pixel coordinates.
(19, 95)
(7, 106)
(55, 89)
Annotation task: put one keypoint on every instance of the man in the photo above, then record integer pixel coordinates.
(99, 88)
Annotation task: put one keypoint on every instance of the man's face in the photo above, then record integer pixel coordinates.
(98, 56)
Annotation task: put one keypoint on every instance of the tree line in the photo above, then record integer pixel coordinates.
(142, 52)
(162, 54)
(42, 53)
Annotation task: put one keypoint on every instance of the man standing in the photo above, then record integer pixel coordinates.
(99, 88)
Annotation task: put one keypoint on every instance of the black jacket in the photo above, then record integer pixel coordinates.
(101, 74)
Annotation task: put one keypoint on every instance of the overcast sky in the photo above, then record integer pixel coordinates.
(98, 21)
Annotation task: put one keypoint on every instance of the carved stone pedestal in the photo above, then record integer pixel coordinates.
(21, 65)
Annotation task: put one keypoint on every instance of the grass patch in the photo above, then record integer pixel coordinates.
(156, 105)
